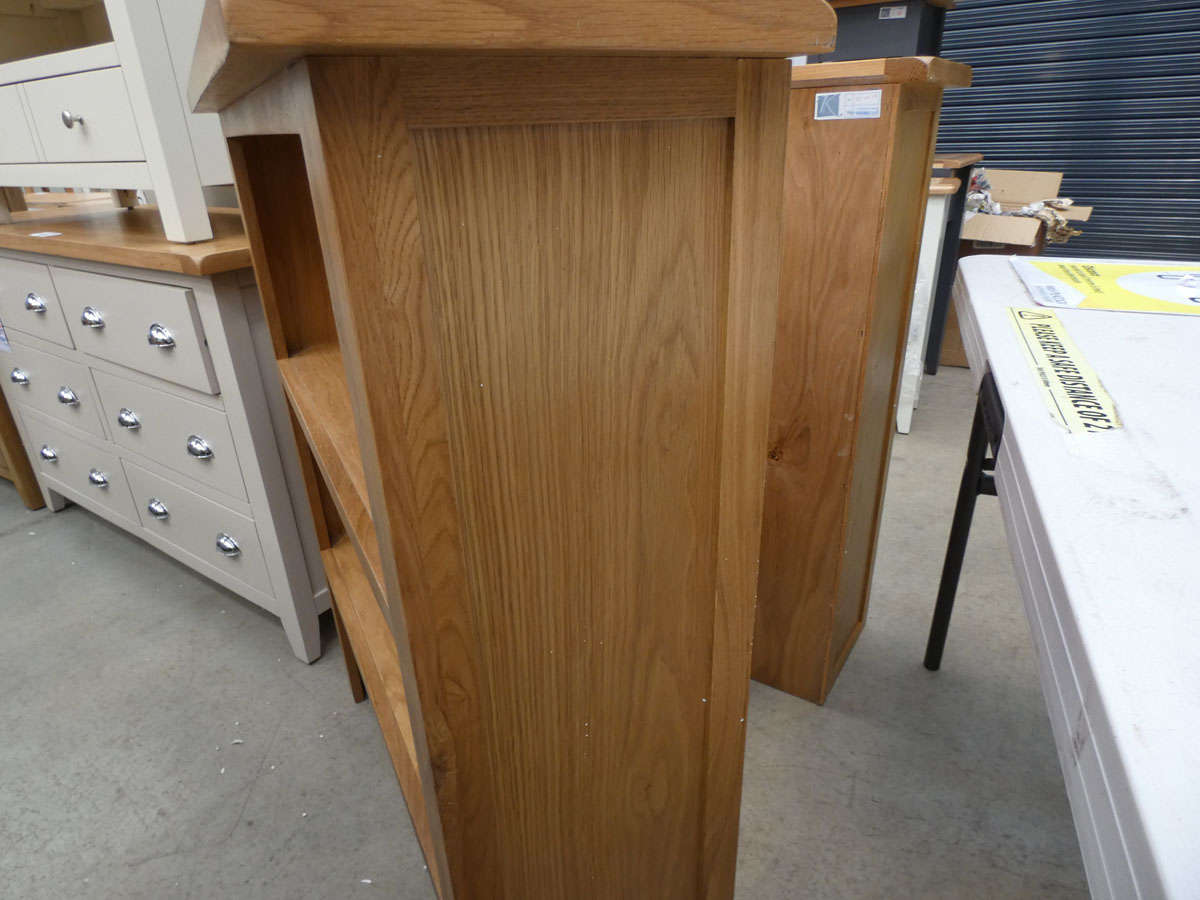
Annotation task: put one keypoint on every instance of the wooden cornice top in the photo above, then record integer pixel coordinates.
(128, 237)
(894, 70)
(244, 42)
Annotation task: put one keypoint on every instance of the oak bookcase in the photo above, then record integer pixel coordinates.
(521, 271)
(857, 178)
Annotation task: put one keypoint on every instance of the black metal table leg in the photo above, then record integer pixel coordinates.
(988, 427)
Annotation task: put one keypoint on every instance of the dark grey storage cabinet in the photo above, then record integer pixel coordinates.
(874, 30)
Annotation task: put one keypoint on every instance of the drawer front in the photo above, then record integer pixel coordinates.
(29, 303)
(48, 383)
(95, 475)
(194, 524)
(163, 427)
(107, 131)
(16, 140)
(153, 328)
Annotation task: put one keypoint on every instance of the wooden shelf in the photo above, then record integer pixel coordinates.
(379, 662)
(315, 382)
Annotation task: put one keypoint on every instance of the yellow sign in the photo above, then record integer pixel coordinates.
(1099, 284)
(1070, 387)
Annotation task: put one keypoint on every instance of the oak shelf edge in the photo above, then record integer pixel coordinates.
(378, 660)
(316, 389)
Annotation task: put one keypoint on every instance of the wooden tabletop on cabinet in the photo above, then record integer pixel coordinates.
(956, 160)
(128, 237)
(941, 186)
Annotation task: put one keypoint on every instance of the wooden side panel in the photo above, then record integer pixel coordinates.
(904, 217)
(749, 335)
(361, 174)
(849, 264)
(579, 280)
(836, 175)
(556, 339)
(442, 92)
(284, 245)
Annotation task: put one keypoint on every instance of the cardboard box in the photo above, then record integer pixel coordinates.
(1006, 235)
(1016, 235)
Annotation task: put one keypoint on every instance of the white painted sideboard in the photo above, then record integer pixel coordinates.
(138, 394)
(114, 116)
(912, 372)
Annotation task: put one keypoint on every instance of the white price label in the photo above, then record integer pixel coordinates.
(849, 105)
(893, 12)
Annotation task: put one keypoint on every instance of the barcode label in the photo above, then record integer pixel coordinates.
(893, 12)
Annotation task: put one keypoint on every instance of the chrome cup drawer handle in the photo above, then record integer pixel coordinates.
(228, 545)
(48, 453)
(67, 397)
(157, 508)
(160, 336)
(98, 478)
(91, 317)
(198, 447)
(69, 118)
(34, 303)
(19, 376)
(127, 418)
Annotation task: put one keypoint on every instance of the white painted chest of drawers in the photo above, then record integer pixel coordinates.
(139, 396)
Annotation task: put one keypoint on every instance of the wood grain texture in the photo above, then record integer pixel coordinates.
(956, 160)
(953, 352)
(281, 105)
(584, 419)
(16, 466)
(440, 92)
(45, 201)
(286, 250)
(13, 199)
(358, 690)
(892, 70)
(903, 220)
(755, 236)
(376, 656)
(848, 270)
(940, 187)
(556, 344)
(362, 177)
(315, 382)
(243, 42)
(129, 237)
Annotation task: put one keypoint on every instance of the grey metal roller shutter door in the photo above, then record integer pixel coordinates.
(1105, 91)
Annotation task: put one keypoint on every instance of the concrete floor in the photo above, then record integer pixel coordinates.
(126, 679)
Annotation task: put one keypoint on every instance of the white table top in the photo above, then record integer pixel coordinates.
(1104, 531)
